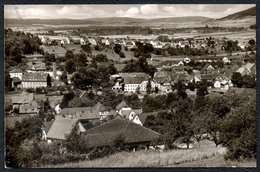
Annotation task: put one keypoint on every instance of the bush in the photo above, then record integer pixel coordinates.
(122, 55)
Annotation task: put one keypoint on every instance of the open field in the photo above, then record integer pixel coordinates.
(208, 155)
(54, 49)
(111, 55)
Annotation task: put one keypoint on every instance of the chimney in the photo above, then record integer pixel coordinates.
(54, 70)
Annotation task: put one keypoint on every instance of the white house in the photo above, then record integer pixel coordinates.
(225, 60)
(217, 84)
(92, 41)
(16, 73)
(134, 81)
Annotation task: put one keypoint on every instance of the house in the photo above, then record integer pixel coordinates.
(16, 73)
(80, 113)
(246, 69)
(225, 60)
(48, 39)
(156, 44)
(57, 108)
(23, 98)
(207, 69)
(187, 60)
(133, 81)
(144, 84)
(103, 111)
(34, 80)
(162, 81)
(129, 44)
(107, 133)
(31, 108)
(92, 41)
(62, 127)
(36, 66)
(120, 106)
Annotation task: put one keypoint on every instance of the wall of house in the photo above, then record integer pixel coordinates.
(29, 84)
(131, 87)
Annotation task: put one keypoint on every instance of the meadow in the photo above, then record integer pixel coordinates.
(207, 155)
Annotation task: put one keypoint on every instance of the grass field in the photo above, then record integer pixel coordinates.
(54, 49)
(206, 156)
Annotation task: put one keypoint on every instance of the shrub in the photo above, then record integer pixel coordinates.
(122, 55)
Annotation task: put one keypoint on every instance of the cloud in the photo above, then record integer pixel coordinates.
(149, 9)
(68, 9)
(137, 11)
(131, 12)
(169, 9)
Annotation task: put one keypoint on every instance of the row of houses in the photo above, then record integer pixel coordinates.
(34, 76)
(196, 43)
(114, 122)
(219, 78)
(103, 135)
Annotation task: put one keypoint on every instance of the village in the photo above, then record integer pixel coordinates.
(87, 96)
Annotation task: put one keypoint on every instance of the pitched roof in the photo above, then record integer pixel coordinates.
(35, 77)
(29, 108)
(134, 78)
(60, 128)
(106, 133)
(80, 113)
(15, 70)
(16, 79)
(47, 126)
(205, 68)
(246, 68)
(121, 105)
(100, 107)
(24, 97)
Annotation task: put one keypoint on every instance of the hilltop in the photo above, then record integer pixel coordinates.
(240, 15)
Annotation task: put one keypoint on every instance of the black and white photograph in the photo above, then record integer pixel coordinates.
(129, 85)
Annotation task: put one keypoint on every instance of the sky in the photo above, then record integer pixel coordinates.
(146, 11)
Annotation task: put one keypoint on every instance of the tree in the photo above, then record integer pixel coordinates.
(236, 79)
(64, 77)
(69, 55)
(81, 60)
(238, 131)
(148, 87)
(8, 81)
(66, 98)
(86, 48)
(122, 55)
(70, 66)
(202, 88)
(163, 38)
(117, 48)
(48, 80)
(181, 90)
(51, 32)
(75, 142)
(251, 42)
(27, 129)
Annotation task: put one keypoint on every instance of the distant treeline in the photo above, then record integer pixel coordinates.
(139, 30)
